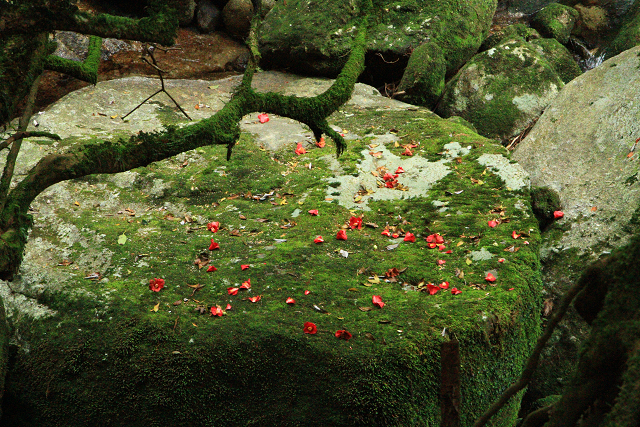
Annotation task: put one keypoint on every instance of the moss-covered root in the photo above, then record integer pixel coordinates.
(86, 70)
(608, 368)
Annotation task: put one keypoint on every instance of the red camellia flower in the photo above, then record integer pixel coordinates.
(500, 260)
(409, 237)
(492, 223)
(441, 247)
(228, 307)
(256, 298)
(290, 301)
(455, 291)
(307, 292)
(211, 269)
(377, 300)
(244, 266)
(386, 232)
(441, 262)
(216, 311)
(444, 285)
(343, 334)
(246, 284)
(156, 284)
(399, 170)
(232, 291)
(490, 278)
(321, 143)
(407, 152)
(313, 212)
(433, 289)
(310, 328)
(515, 235)
(355, 222)
(558, 214)
(389, 184)
(318, 239)
(264, 118)
(387, 177)
(213, 226)
(213, 246)
(300, 149)
(342, 235)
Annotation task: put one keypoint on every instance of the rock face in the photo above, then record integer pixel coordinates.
(313, 36)
(208, 16)
(502, 90)
(85, 318)
(237, 17)
(556, 21)
(579, 147)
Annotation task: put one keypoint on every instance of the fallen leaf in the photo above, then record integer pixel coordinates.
(242, 216)
(375, 279)
(344, 253)
(122, 239)
(365, 308)
(594, 208)
(392, 247)
(468, 261)
(156, 307)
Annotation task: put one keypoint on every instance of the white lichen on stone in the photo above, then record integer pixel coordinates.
(513, 175)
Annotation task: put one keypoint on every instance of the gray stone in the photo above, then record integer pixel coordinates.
(208, 16)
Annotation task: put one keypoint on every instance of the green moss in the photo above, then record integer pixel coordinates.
(629, 34)
(556, 21)
(86, 70)
(544, 202)
(423, 79)
(176, 366)
(559, 57)
(509, 32)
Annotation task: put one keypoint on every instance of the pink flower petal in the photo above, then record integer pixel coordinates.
(492, 223)
(386, 232)
(399, 170)
(433, 289)
(490, 278)
(409, 237)
(213, 226)
(290, 301)
(263, 118)
(211, 269)
(213, 246)
(232, 291)
(455, 291)
(216, 311)
(515, 235)
(377, 300)
(440, 262)
(313, 212)
(244, 266)
(307, 292)
(444, 285)
(246, 284)
(558, 214)
(255, 299)
(228, 307)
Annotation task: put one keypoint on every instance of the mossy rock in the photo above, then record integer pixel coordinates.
(556, 21)
(559, 57)
(502, 90)
(111, 352)
(314, 37)
(423, 79)
(509, 32)
(628, 35)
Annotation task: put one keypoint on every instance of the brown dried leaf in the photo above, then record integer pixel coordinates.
(547, 306)
(365, 308)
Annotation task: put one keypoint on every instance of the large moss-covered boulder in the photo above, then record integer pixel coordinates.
(94, 345)
(502, 90)
(556, 21)
(423, 80)
(313, 36)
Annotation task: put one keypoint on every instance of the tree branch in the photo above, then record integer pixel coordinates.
(86, 70)
(532, 362)
(21, 135)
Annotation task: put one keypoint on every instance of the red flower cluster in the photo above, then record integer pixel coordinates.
(391, 181)
(409, 237)
(156, 284)
(434, 241)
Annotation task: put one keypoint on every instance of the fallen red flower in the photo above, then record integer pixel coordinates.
(377, 300)
(490, 278)
(318, 239)
(321, 143)
(407, 152)
(433, 289)
(441, 247)
(232, 291)
(492, 223)
(343, 334)
(263, 118)
(156, 284)
(307, 292)
(387, 177)
(213, 226)
(342, 235)
(244, 266)
(515, 235)
(228, 307)
(500, 260)
(313, 212)
(246, 284)
(409, 237)
(558, 214)
(449, 251)
(213, 245)
(389, 184)
(300, 149)
(355, 222)
(211, 269)
(255, 299)
(216, 311)
(441, 262)
(455, 291)
(310, 328)
(290, 301)
(399, 170)
(444, 285)
(386, 232)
